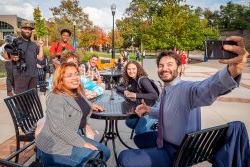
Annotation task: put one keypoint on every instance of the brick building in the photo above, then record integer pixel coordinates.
(9, 24)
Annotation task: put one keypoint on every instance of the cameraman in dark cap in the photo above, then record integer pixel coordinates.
(24, 63)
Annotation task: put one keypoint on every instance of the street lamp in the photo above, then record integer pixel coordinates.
(113, 8)
(74, 40)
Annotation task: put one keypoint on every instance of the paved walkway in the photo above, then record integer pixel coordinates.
(234, 106)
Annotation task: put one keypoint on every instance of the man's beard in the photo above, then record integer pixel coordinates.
(26, 36)
(174, 74)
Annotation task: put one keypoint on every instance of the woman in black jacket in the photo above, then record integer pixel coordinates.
(137, 86)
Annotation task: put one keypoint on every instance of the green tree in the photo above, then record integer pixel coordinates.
(40, 28)
(234, 16)
(178, 27)
(138, 15)
(68, 12)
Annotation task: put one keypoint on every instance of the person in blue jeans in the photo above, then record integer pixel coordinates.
(59, 141)
(135, 93)
(178, 110)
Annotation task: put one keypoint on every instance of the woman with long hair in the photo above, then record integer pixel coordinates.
(66, 113)
(136, 87)
(92, 89)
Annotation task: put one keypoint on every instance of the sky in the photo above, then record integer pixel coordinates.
(99, 10)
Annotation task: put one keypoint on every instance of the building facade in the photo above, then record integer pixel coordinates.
(9, 24)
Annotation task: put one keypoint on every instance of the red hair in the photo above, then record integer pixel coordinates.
(59, 87)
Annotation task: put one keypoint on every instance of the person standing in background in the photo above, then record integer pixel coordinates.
(8, 65)
(24, 68)
(60, 48)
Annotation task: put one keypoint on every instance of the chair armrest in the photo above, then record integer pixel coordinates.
(11, 156)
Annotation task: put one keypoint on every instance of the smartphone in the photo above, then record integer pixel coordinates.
(214, 49)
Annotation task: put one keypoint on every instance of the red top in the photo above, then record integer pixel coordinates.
(57, 48)
(183, 58)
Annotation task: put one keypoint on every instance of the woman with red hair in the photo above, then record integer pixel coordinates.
(67, 110)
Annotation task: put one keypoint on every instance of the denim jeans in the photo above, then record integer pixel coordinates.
(79, 156)
(148, 155)
(144, 124)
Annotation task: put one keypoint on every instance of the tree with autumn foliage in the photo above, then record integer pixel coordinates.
(63, 17)
(93, 37)
(118, 39)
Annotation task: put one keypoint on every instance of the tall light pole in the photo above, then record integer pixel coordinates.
(74, 40)
(113, 8)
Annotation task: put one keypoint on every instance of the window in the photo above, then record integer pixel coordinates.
(4, 25)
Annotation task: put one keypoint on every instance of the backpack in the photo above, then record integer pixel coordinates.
(157, 85)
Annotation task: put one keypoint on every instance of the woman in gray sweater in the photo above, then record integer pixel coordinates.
(67, 110)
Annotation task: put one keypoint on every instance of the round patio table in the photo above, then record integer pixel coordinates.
(111, 77)
(116, 108)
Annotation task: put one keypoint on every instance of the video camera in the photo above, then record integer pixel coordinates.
(12, 49)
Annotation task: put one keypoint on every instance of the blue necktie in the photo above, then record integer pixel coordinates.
(159, 140)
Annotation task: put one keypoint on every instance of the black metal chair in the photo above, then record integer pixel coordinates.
(25, 109)
(200, 146)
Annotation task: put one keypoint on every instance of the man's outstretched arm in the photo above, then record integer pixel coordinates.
(204, 93)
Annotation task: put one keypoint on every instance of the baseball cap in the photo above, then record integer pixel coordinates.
(27, 24)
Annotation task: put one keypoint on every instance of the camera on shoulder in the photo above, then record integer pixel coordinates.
(12, 48)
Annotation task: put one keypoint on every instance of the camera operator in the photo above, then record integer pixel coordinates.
(8, 65)
(24, 53)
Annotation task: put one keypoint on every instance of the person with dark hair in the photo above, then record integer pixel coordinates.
(65, 31)
(67, 112)
(178, 110)
(90, 69)
(133, 75)
(24, 71)
(60, 48)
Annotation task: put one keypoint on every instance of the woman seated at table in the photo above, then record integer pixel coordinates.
(92, 89)
(133, 72)
(67, 111)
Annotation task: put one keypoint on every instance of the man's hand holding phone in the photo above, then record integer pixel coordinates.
(236, 64)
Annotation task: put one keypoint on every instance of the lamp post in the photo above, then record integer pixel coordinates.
(113, 9)
(74, 40)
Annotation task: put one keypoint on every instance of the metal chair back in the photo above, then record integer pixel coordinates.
(200, 146)
(25, 109)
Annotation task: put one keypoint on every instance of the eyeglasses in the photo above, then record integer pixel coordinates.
(71, 75)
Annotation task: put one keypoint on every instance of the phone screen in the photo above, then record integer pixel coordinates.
(214, 49)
